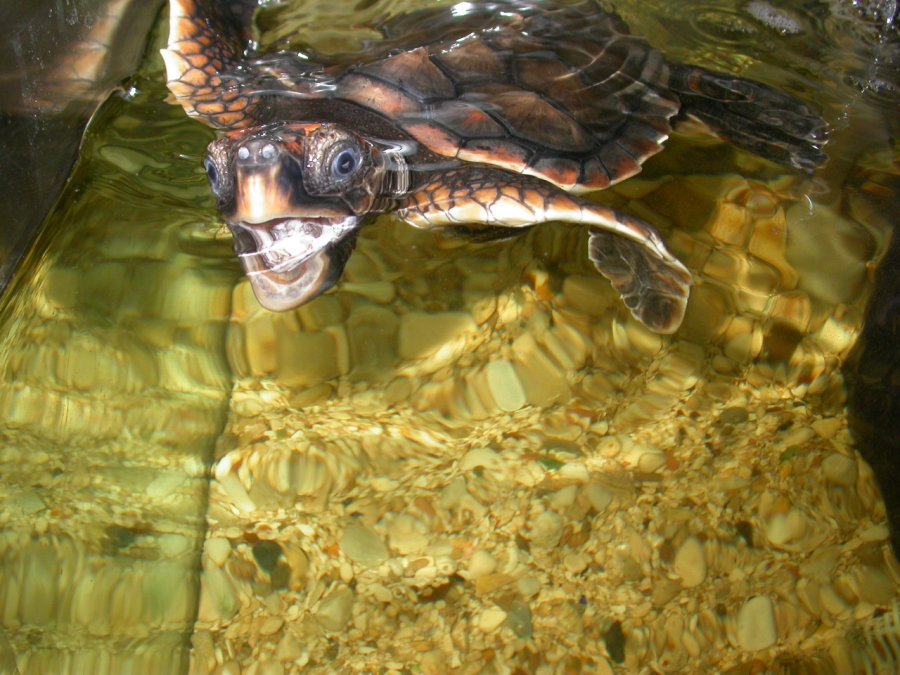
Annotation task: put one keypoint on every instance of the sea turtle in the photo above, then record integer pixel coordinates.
(493, 122)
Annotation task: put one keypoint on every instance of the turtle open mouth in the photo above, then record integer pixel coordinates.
(290, 261)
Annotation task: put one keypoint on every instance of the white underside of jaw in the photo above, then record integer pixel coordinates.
(290, 242)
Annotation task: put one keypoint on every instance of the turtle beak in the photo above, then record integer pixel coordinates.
(292, 246)
(287, 264)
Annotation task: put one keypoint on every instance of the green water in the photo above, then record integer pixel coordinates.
(453, 400)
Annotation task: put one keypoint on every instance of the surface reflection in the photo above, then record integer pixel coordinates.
(468, 456)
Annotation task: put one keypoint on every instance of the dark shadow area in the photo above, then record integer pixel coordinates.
(38, 154)
(873, 377)
(872, 371)
(62, 57)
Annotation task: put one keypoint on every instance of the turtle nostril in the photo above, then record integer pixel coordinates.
(257, 152)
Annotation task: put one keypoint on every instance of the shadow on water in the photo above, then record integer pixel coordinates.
(59, 62)
(873, 375)
(873, 368)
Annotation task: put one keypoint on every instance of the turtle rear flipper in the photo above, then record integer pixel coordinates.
(205, 50)
(654, 285)
(752, 116)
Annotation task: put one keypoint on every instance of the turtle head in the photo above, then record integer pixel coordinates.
(294, 196)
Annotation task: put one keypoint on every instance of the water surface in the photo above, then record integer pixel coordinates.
(466, 455)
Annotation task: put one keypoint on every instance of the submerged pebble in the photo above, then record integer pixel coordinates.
(546, 530)
(335, 609)
(756, 627)
(480, 564)
(840, 469)
(491, 619)
(362, 545)
(690, 563)
(505, 386)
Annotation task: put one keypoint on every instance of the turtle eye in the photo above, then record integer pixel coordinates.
(345, 163)
(218, 180)
(212, 173)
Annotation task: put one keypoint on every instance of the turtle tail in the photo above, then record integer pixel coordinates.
(752, 116)
(206, 45)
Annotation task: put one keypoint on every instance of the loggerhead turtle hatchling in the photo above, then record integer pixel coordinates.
(496, 121)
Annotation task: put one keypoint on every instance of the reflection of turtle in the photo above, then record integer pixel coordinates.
(492, 126)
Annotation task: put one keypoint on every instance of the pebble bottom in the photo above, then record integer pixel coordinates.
(470, 459)
(672, 504)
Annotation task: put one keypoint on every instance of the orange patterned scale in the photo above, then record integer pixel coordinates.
(414, 74)
(501, 153)
(466, 120)
(528, 116)
(435, 138)
(380, 96)
(470, 60)
(560, 170)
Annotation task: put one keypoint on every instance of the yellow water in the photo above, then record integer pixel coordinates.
(465, 456)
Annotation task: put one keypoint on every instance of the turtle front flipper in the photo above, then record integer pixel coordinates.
(654, 288)
(654, 285)
(205, 48)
